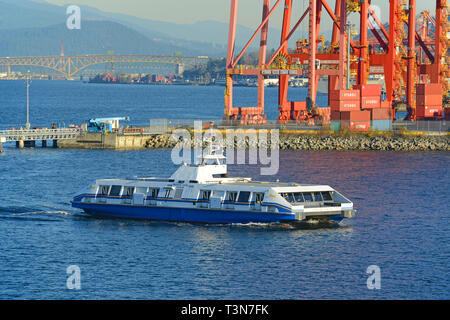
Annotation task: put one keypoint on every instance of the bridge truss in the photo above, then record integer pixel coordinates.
(71, 65)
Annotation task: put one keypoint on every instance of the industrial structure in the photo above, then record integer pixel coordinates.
(105, 125)
(71, 65)
(411, 57)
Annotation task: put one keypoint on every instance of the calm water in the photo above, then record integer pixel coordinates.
(402, 226)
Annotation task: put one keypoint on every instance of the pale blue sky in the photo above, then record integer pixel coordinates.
(190, 11)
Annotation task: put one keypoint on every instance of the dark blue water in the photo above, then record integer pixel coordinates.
(402, 224)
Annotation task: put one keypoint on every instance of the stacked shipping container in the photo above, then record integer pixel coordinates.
(428, 100)
(356, 120)
(359, 109)
(347, 105)
(345, 100)
(380, 113)
(370, 96)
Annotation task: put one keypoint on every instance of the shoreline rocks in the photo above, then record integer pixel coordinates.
(351, 142)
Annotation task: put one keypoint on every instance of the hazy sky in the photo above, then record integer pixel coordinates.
(190, 11)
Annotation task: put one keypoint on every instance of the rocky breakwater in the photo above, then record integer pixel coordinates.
(340, 142)
(360, 142)
(160, 141)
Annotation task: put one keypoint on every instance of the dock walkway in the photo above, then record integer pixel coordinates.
(24, 136)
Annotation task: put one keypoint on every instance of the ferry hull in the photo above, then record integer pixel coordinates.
(184, 214)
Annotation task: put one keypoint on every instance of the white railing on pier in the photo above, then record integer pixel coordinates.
(39, 134)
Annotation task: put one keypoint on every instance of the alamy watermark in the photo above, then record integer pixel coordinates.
(374, 279)
(74, 19)
(74, 280)
(238, 143)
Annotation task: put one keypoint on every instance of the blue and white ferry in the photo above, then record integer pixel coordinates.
(203, 193)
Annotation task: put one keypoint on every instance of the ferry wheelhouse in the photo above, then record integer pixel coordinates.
(203, 193)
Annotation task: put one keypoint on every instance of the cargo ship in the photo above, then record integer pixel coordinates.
(203, 193)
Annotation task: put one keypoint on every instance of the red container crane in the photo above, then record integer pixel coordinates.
(403, 54)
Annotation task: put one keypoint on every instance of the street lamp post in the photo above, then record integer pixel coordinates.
(27, 82)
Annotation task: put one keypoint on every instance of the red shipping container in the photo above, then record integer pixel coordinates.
(380, 114)
(369, 90)
(356, 125)
(370, 102)
(345, 105)
(429, 100)
(345, 95)
(429, 88)
(360, 115)
(336, 115)
(428, 111)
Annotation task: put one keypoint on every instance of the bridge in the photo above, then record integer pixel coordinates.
(24, 137)
(71, 65)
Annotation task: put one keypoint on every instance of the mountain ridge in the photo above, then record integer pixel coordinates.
(108, 36)
(202, 38)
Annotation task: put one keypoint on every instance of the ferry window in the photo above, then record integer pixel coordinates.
(167, 193)
(178, 193)
(232, 196)
(327, 196)
(298, 197)
(129, 191)
(317, 196)
(205, 194)
(103, 190)
(308, 197)
(290, 197)
(115, 191)
(154, 192)
(244, 196)
(259, 197)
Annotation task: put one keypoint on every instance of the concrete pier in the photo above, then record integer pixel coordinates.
(25, 144)
(20, 144)
(94, 140)
(44, 143)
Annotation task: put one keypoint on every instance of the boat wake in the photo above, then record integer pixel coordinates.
(295, 225)
(18, 212)
(62, 213)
